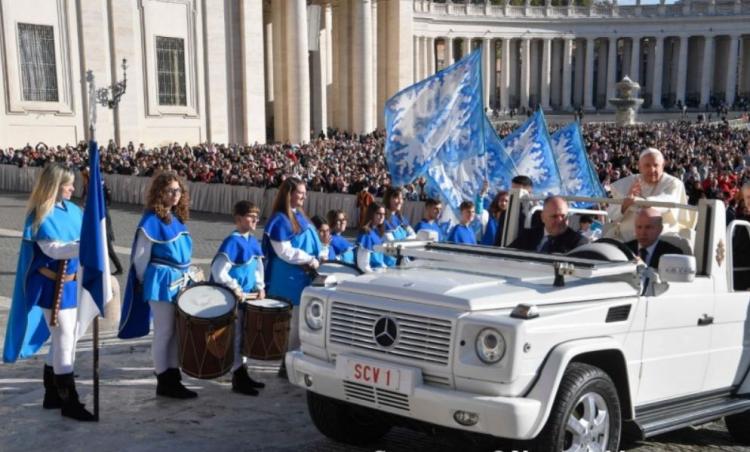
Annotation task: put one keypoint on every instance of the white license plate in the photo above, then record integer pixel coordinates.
(374, 375)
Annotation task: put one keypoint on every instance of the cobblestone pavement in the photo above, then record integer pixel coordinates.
(133, 419)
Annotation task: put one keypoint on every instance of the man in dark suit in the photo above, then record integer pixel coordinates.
(647, 246)
(554, 236)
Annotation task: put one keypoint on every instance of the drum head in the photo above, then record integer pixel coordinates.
(206, 301)
(269, 304)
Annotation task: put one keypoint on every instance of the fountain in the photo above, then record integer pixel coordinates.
(626, 104)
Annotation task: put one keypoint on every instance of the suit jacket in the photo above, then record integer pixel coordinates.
(529, 240)
(661, 249)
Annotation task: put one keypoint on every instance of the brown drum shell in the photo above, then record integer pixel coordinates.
(206, 346)
(266, 331)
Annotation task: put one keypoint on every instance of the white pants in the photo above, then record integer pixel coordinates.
(164, 345)
(62, 350)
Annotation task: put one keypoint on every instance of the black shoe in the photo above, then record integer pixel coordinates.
(242, 383)
(169, 385)
(256, 384)
(51, 397)
(71, 405)
(117, 272)
(282, 370)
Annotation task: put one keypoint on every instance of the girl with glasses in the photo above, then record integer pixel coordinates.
(342, 248)
(160, 259)
(372, 234)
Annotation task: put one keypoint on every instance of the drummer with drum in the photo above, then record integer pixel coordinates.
(238, 265)
(291, 246)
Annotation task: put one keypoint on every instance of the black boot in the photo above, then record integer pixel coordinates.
(169, 385)
(71, 406)
(242, 383)
(51, 397)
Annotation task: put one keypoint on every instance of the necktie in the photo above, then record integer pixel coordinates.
(546, 245)
(643, 253)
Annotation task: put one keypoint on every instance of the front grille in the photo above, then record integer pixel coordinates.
(376, 396)
(419, 338)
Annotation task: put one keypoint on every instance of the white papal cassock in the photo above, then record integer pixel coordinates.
(668, 189)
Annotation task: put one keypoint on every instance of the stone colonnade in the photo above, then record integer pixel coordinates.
(565, 72)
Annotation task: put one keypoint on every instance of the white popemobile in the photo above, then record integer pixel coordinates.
(561, 352)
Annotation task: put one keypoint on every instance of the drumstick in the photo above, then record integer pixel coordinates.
(250, 296)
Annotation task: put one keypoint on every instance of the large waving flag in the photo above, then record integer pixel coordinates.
(576, 170)
(500, 166)
(439, 118)
(530, 149)
(95, 288)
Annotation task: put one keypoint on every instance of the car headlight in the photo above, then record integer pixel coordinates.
(314, 314)
(490, 346)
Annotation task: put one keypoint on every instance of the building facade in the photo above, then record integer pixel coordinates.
(246, 71)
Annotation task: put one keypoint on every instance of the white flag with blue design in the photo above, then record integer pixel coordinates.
(576, 171)
(435, 128)
(95, 286)
(530, 149)
(500, 166)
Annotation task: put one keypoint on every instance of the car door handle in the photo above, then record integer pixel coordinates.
(705, 320)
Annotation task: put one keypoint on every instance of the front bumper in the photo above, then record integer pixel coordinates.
(505, 417)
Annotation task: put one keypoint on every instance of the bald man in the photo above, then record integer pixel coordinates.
(647, 246)
(554, 236)
(650, 184)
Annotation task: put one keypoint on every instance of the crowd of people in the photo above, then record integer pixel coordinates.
(712, 160)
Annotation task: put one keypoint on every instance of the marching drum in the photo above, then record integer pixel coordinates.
(205, 327)
(266, 325)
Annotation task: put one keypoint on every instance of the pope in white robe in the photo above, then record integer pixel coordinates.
(653, 185)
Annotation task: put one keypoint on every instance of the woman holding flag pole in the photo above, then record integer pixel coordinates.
(45, 300)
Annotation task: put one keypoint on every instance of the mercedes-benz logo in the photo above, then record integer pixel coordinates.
(385, 331)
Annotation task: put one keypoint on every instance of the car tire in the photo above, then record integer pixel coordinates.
(586, 397)
(344, 422)
(738, 424)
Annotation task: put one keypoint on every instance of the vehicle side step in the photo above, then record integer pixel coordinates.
(661, 418)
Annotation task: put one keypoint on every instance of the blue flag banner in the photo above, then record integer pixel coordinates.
(530, 149)
(500, 166)
(576, 170)
(95, 288)
(439, 118)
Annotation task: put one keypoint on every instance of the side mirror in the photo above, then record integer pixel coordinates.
(677, 268)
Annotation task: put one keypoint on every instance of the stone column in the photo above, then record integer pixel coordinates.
(448, 51)
(217, 114)
(588, 84)
(96, 55)
(253, 80)
(682, 70)
(658, 72)
(505, 75)
(580, 69)
(555, 94)
(566, 74)
(431, 56)
(466, 49)
(299, 74)
(279, 71)
(635, 60)
(487, 66)
(611, 69)
(745, 66)
(417, 59)
(362, 69)
(525, 71)
(708, 69)
(545, 81)
(269, 65)
(731, 81)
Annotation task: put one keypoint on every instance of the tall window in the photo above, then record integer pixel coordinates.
(170, 64)
(38, 70)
